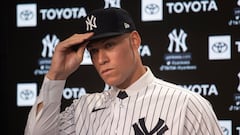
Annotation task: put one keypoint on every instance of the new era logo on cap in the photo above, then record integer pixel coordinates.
(108, 22)
(126, 25)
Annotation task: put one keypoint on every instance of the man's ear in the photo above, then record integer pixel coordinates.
(136, 39)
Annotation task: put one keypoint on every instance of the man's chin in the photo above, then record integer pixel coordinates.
(111, 82)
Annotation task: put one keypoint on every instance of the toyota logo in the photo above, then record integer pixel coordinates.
(26, 94)
(26, 15)
(219, 47)
(225, 131)
(151, 9)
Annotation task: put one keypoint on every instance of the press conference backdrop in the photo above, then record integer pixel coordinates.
(193, 43)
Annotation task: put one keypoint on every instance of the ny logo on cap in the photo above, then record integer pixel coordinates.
(91, 23)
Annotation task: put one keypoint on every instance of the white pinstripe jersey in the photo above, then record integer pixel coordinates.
(153, 107)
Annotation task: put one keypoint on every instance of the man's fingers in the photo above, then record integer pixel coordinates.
(76, 40)
(81, 49)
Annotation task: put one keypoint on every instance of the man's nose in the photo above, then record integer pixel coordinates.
(102, 57)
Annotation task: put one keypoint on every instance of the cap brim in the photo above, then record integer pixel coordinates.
(98, 37)
(105, 35)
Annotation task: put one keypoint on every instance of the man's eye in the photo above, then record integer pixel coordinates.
(108, 45)
(93, 51)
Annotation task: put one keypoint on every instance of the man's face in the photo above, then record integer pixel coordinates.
(115, 59)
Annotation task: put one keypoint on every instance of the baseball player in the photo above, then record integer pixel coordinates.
(138, 103)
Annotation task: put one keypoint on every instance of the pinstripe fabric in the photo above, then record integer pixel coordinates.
(153, 106)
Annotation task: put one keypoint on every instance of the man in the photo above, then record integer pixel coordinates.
(138, 103)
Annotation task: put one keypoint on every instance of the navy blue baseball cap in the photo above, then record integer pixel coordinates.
(107, 22)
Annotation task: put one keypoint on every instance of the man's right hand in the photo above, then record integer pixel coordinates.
(65, 59)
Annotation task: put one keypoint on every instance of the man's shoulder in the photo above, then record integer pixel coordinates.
(167, 85)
